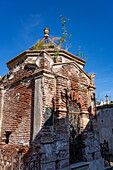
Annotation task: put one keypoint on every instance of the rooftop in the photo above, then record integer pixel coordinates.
(45, 44)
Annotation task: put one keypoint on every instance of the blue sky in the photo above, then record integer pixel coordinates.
(90, 23)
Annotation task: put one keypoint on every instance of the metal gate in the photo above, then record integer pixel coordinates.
(75, 137)
(16, 163)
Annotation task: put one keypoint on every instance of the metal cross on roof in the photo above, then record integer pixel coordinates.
(106, 96)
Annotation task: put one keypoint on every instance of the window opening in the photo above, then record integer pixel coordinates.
(8, 133)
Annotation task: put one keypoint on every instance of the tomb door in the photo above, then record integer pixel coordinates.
(75, 137)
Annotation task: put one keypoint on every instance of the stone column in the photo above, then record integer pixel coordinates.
(61, 123)
(38, 104)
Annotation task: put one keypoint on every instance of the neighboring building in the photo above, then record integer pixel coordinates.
(47, 110)
(105, 124)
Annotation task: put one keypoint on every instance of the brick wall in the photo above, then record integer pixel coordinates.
(17, 112)
(59, 85)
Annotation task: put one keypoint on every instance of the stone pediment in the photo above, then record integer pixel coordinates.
(57, 67)
(44, 60)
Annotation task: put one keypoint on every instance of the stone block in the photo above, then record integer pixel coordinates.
(63, 164)
(96, 164)
(49, 166)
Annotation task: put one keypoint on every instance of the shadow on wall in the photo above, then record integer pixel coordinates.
(105, 117)
(64, 139)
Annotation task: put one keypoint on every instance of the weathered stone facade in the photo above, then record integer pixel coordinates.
(38, 99)
(105, 125)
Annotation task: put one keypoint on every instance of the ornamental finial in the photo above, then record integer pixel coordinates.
(46, 32)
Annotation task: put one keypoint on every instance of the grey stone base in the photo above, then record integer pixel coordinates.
(48, 166)
(80, 166)
(59, 165)
(96, 164)
(92, 165)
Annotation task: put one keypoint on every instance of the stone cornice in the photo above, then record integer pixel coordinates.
(106, 106)
(23, 56)
(91, 87)
(45, 72)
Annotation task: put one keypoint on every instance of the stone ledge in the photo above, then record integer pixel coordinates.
(105, 106)
(78, 165)
(108, 168)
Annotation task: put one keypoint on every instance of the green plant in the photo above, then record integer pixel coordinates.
(56, 55)
(38, 45)
(60, 41)
(80, 54)
(65, 36)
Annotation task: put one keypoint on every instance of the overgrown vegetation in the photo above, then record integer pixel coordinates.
(56, 54)
(65, 35)
(61, 42)
(80, 54)
(41, 45)
(38, 45)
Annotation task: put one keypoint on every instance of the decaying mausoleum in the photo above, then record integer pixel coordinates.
(47, 111)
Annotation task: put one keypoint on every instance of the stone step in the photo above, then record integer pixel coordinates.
(80, 166)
